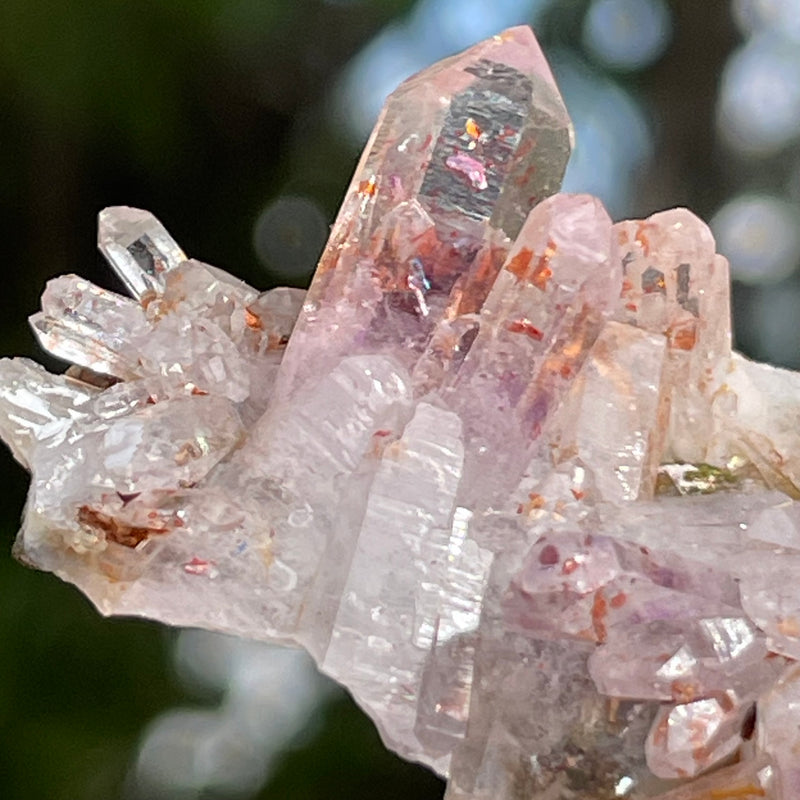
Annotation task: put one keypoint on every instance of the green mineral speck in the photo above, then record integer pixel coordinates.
(707, 478)
(688, 479)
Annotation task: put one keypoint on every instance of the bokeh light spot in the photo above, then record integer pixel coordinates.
(269, 698)
(782, 16)
(759, 102)
(760, 236)
(191, 752)
(612, 135)
(289, 236)
(775, 330)
(452, 25)
(627, 34)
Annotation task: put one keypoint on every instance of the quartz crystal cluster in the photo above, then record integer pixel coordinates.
(499, 471)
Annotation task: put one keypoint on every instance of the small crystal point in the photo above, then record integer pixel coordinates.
(138, 247)
(89, 326)
(674, 284)
(688, 738)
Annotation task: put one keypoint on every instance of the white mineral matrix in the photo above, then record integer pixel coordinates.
(506, 482)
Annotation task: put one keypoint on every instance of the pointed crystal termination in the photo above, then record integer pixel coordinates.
(89, 326)
(460, 154)
(538, 324)
(675, 284)
(138, 247)
(687, 738)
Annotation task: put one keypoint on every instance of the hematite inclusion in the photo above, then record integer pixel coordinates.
(508, 483)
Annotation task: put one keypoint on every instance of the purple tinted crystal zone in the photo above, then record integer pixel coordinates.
(536, 328)
(600, 583)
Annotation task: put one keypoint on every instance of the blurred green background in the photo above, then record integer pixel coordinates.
(238, 123)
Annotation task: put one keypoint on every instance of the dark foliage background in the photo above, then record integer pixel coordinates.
(206, 112)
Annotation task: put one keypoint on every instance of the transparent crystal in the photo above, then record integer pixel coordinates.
(89, 326)
(138, 247)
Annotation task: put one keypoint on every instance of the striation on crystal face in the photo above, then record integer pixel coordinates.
(506, 481)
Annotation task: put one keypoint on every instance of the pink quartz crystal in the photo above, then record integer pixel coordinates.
(498, 471)
(459, 155)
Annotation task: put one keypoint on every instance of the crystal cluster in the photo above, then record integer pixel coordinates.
(505, 480)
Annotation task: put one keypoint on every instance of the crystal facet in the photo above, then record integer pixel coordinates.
(139, 248)
(498, 472)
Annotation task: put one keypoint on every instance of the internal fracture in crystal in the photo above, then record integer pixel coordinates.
(499, 471)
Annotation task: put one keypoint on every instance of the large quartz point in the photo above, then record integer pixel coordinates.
(499, 471)
(459, 155)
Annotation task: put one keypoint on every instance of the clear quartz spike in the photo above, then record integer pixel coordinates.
(89, 326)
(138, 247)
(410, 504)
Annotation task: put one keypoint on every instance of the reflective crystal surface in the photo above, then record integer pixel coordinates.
(459, 155)
(138, 247)
(499, 472)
